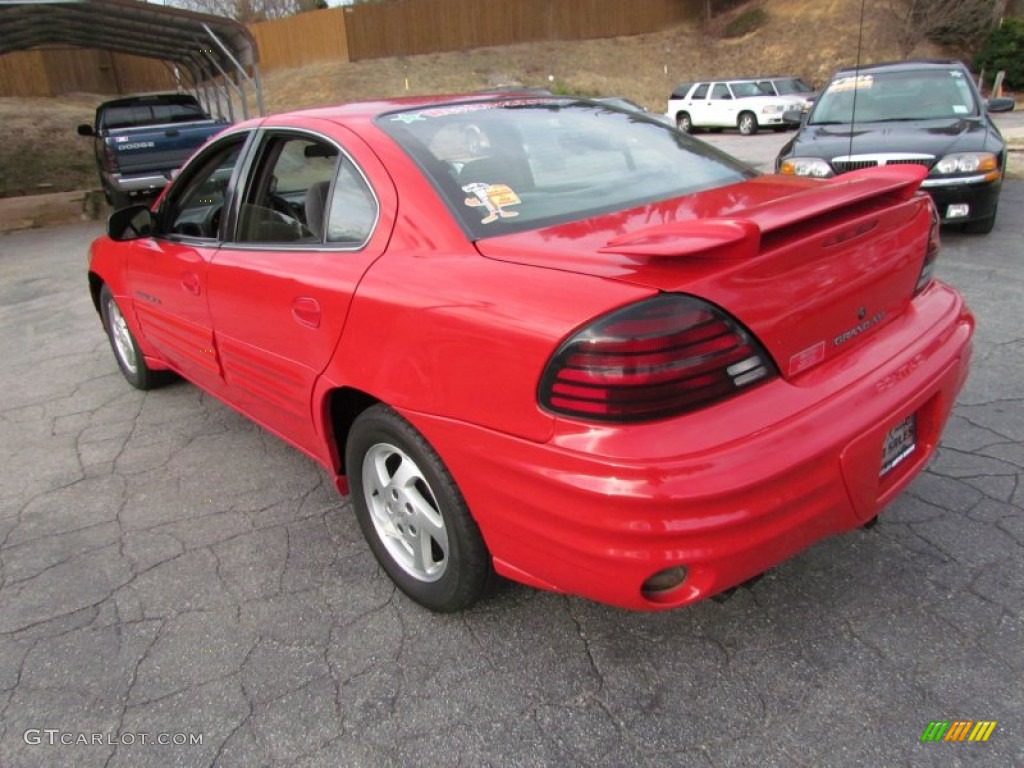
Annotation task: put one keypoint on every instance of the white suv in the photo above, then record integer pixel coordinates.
(728, 104)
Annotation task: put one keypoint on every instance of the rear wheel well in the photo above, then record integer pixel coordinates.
(344, 406)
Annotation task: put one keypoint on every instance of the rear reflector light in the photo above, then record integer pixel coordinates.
(109, 160)
(931, 254)
(654, 359)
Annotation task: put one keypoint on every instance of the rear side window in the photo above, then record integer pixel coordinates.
(700, 92)
(681, 91)
(505, 166)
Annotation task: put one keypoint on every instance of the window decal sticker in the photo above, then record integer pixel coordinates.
(494, 198)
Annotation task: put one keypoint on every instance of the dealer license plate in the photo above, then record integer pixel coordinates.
(899, 443)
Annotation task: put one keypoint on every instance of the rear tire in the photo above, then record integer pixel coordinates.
(684, 123)
(747, 123)
(117, 199)
(412, 514)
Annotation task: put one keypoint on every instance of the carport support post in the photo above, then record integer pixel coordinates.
(239, 68)
(227, 93)
(259, 89)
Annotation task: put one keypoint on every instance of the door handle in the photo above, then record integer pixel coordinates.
(190, 282)
(306, 311)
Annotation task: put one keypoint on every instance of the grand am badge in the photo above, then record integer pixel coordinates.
(857, 330)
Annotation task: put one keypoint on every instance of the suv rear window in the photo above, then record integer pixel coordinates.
(512, 165)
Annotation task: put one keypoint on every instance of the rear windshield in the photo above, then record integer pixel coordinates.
(512, 165)
(149, 114)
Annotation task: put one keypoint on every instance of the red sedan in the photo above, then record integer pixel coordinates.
(548, 339)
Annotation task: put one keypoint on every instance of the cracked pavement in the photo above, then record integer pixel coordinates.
(168, 567)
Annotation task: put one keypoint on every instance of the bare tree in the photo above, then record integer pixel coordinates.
(248, 11)
(958, 23)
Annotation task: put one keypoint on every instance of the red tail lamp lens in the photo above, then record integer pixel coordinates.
(654, 359)
(931, 254)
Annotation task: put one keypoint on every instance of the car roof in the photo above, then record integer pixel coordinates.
(368, 110)
(903, 66)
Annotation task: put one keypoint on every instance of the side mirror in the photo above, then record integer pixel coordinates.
(794, 117)
(130, 223)
(85, 130)
(1001, 105)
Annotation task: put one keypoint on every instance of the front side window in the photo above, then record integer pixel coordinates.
(195, 203)
(285, 200)
(505, 166)
(305, 190)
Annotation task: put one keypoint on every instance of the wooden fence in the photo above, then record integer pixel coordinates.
(302, 39)
(363, 31)
(408, 27)
(52, 72)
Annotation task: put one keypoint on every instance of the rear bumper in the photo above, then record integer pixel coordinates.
(147, 182)
(727, 492)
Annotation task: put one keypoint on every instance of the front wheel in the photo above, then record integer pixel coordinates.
(981, 226)
(747, 123)
(412, 514)
(126, 351)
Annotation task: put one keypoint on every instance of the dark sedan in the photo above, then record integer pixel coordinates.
(914, 112)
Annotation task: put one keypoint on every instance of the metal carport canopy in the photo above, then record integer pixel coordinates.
(211, 56)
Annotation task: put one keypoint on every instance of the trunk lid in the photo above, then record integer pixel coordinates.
(812, 268)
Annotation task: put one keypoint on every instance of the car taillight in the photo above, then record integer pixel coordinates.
(109, 159)
(930, 255)
(657, 358)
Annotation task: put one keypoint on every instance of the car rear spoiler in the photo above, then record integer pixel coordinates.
(739, 237)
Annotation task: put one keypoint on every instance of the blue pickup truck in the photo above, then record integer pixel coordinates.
(141, 140)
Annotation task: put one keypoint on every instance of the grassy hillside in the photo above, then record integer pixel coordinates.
(40, 152)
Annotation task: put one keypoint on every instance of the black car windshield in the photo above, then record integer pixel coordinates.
(893, 96)
(511, 165)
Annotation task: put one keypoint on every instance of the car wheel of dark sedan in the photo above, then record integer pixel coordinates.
(981, 226)
(126, 351)
(684, 123)
(413, 515)
(747, 123)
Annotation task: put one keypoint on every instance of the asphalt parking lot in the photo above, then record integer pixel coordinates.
(170, 572)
